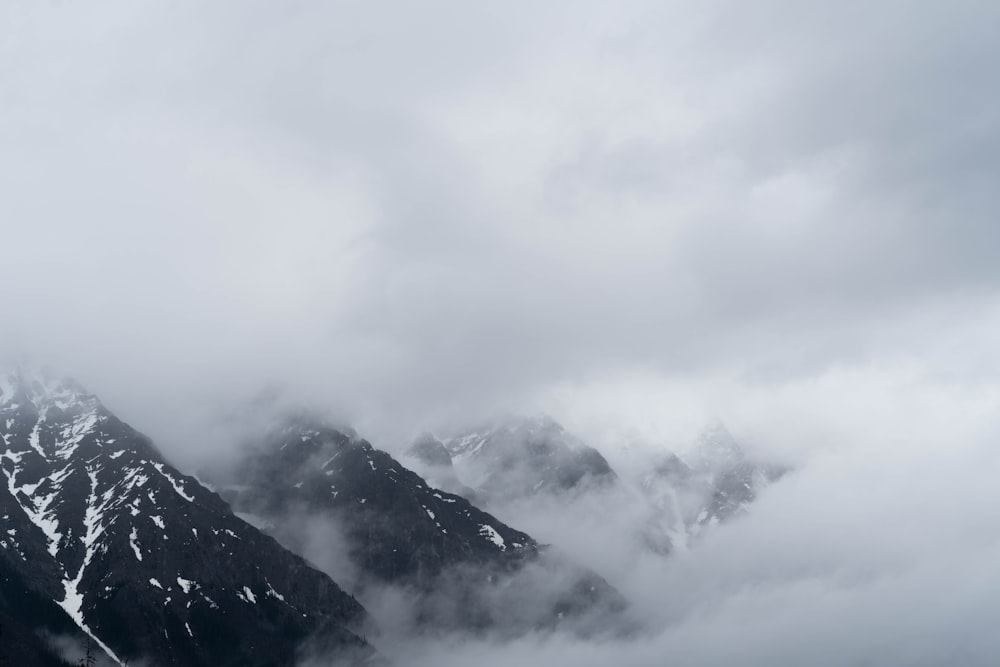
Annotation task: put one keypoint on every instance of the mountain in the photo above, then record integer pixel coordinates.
(718, 483)
(457, 560)
(401, 528)
(99, 529)
(524, 457)
(524, 460)
(733, 478)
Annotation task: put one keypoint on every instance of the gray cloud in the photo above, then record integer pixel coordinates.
(856, 560)
(424, 210)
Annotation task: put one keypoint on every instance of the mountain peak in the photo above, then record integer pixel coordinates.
(139, 557)
(50, 415)
(716, 449)
(42, 389)
(397, 528)
(523, 456)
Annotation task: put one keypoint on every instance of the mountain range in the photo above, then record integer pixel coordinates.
(455, 560)
(515, 460)
(105, 543)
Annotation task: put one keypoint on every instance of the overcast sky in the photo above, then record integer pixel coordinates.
(633, 215)
(406, 212)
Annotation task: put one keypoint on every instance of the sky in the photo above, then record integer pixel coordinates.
(406, 214)
(635, 216)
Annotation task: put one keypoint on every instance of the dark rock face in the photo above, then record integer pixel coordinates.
(463, 564)
(27, 617)
(525, 457)
(140, 557)
(400, 528)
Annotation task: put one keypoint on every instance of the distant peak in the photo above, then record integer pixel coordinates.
(537, 423)
(716, 448)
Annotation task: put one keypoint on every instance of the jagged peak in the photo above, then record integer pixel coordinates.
(511, 429)
(43, 389)
(302, 426)
(715, 448)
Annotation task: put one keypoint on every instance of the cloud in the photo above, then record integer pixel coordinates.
(420, 213)
(852, 560)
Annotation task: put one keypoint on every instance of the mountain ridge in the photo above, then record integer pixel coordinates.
(403, 531)
(142, 558)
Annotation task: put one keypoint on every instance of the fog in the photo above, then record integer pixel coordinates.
(634, 216)
(425, 213)
(854, 559)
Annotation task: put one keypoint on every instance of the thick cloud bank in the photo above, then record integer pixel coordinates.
(857, 559)
(416, 213)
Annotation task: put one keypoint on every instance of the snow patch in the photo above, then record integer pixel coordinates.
(490, 533)
(174, 483)
(133, 542)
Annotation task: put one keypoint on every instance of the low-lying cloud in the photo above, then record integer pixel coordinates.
(852, 560)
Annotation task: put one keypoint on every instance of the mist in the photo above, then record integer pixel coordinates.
(411, 216)
(854, 559)
(634, 216)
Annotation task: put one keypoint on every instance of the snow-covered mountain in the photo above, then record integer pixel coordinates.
(717, 483)
(457, 560)
(99, 529)
(522, 457)
(522, 464)
(103, 540)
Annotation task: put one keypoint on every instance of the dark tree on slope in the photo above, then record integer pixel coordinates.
(89, 659)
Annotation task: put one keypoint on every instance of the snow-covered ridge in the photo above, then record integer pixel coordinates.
(44, 421)
(62, 413)
(520, 457)
(42, 390)
(113, 518)
(536, 427)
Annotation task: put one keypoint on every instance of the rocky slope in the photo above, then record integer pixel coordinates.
(141, 558)
(461, 563)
